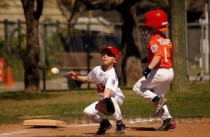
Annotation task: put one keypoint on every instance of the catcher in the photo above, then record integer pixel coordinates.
(111, 96)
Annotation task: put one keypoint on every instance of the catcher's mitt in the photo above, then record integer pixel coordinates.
(105, 106)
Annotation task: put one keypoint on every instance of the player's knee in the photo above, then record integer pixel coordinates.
(87, 112)
(139, 89)
(136, 88)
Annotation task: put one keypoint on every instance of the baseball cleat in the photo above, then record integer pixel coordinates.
(167, 125)
(120, 128)
(104, 126)
(158, 106)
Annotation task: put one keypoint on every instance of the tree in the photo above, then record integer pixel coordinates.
(130, 35)
(178, 37)
(33, 11)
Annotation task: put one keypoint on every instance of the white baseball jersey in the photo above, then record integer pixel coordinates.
(107, 79)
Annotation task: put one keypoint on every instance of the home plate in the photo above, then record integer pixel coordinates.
(44, 123)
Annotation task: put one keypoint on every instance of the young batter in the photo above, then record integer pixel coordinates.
(107, 86)
(159, 73)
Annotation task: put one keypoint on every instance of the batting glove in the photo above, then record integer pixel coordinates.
(146, 72)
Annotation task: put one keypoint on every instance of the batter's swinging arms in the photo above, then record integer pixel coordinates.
(159, 73)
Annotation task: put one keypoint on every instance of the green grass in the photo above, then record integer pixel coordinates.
(68, 105)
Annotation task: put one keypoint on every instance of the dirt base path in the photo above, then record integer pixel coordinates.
(185, 128)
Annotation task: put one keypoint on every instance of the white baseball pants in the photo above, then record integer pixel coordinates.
(91, 112)
(158, 80)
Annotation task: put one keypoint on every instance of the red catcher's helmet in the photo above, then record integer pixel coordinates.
(156, 19)
(112, 49)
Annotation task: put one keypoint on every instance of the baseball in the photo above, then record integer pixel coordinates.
(55, 71)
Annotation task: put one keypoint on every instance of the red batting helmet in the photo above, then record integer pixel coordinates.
(156, 19)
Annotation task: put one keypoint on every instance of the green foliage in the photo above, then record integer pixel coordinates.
(69, 105)
(12, 51)
(53, 50)
(2, 48)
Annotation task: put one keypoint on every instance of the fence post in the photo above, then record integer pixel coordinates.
(43, 56)
(209, 35)
(6, 34)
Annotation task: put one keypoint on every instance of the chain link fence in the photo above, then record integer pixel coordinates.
(64, 46)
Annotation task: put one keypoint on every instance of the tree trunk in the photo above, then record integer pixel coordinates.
(178, 37)
(31, 60)
(130, 35)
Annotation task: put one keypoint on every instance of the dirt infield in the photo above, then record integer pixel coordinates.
(185, 128)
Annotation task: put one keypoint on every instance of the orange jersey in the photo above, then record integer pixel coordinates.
(159, 45)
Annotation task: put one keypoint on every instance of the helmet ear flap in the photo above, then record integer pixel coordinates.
(145, 32)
